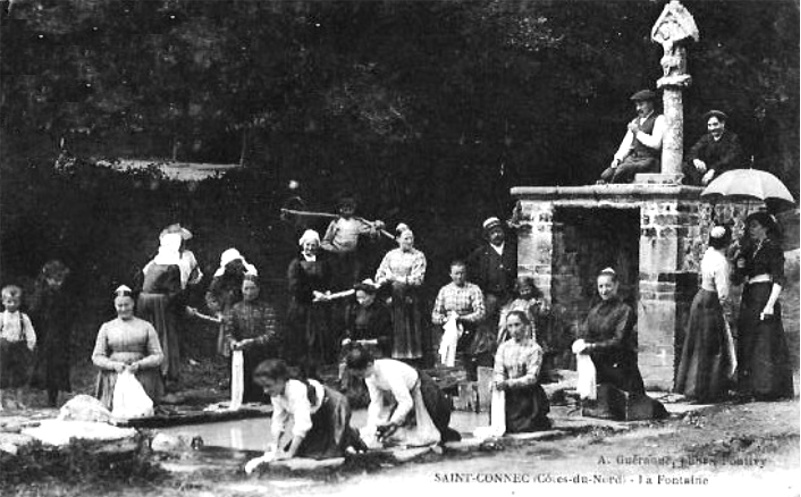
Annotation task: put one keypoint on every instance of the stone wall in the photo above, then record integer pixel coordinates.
(586, 241)
(562, 243)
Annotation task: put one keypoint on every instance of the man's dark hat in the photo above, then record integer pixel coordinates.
(716, 113)
(643, 95)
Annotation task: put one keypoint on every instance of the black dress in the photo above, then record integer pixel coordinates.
(52, 313)
(255, 320)
(309, 335)
(158, 304)
(706, 360)
(610, 329)
(762, 353)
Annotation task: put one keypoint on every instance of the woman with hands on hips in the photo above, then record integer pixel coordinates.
(762, 352)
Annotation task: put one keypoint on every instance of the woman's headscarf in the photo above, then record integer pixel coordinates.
(309, 236)
(231, 255)
(169, 249)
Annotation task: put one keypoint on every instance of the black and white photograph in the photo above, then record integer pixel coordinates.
(399, 247)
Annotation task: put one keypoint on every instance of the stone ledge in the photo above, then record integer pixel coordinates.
(639, 191)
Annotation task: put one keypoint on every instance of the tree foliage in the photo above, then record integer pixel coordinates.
(429, 110)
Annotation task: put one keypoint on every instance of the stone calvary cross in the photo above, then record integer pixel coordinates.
(674, 29)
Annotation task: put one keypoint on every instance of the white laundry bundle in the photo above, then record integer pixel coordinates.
(130, 399)
(254, 463)
(586, 385)
(84, 408)
(447, 347)
(497, 425)
(237, 380)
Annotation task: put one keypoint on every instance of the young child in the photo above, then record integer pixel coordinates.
(17, 340)
(528, 299)
(342, 239)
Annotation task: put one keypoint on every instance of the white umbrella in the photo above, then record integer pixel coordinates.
(747, 184)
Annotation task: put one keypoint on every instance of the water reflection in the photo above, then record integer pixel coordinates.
(254, 434)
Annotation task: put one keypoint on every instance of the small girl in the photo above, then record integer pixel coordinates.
(17, 340)
(528, 299)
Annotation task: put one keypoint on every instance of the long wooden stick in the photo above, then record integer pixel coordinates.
(328, 215)
(309, 213)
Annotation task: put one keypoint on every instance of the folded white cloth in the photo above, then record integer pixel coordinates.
(497, 425)
(586, 384)
(450, 337)
(237, 380)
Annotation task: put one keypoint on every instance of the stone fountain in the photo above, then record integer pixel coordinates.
(653, 231)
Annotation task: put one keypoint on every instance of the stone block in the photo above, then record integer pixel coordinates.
(657, 377)
(304, 464)
(667, 232)
(11, 442)
(658, 255)
(467, 398)
(484, 375)
(656, 321)
(666, 219)
(539, 435)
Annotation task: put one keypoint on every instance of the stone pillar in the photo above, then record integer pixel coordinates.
(666, 288)
(535, 244)
(673, 139)
(673, 30)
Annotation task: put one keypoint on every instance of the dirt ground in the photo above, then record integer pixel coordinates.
(732, 447)
(737, 448)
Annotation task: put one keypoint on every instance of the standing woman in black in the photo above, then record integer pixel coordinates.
(762, 354)
(309, 337)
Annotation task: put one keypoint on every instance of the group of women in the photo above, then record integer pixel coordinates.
(313, 330)
(761, 357)
(709, 357)
(405, 405)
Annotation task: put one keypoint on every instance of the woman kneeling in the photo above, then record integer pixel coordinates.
(320, 416)
(406, 406)
(517, 371)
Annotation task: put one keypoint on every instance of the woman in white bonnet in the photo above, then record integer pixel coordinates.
(309, 335)
(225, 289)
(708, 358)
(159, 304)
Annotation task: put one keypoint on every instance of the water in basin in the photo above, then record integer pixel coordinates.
(254, 434)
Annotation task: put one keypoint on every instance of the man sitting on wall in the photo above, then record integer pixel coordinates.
(641, 147)
(715, 153)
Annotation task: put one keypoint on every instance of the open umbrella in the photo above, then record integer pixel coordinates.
(748, 184)
(755, 185)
